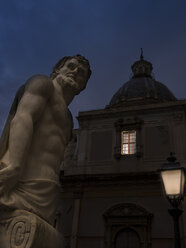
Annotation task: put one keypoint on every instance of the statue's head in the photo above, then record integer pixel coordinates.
(72, 66)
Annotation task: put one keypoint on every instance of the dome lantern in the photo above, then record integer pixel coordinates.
(142, 68)
(142, 88)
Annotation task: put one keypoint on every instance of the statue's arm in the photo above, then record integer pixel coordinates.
(30, 108)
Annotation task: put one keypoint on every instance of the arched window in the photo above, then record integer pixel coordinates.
(127, 238)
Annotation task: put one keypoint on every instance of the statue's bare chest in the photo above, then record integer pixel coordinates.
(56, 121)
(58, 109)
(59, 113)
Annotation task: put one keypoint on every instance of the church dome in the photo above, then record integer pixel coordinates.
(141, 88)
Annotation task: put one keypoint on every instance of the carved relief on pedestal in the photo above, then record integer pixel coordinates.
(21, 232)
(22, 229)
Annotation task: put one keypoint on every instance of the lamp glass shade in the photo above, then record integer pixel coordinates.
(183, 181)
(173, 181)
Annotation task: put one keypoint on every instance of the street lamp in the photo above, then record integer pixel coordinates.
(173, 181)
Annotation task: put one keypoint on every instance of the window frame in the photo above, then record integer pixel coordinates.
(128, 125)
(128, 142)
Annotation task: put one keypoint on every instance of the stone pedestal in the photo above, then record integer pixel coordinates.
(22, 229)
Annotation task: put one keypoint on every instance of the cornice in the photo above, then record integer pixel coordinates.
(98, 180)
(127, 210)
(116, 112)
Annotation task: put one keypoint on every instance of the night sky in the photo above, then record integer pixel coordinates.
(35, 34)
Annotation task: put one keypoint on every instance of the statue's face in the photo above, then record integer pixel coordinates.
(73, 75)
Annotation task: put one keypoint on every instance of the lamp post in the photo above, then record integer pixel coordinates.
(173, 181)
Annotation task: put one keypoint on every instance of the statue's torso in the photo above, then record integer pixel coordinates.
(51, 134)
(37, 188)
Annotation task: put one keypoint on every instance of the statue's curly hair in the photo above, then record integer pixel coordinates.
(62, 61)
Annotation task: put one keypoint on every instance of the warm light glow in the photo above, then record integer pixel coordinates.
(128, 142)
(172, 180)
(182, 181)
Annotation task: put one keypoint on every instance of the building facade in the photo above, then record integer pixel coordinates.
(111, 191)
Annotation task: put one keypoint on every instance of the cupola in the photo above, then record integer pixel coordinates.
(142, 88)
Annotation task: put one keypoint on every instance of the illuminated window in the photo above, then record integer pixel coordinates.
(128, 142)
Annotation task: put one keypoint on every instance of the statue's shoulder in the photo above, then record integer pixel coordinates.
(39, 85)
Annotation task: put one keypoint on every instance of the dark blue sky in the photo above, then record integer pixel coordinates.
(35, 34)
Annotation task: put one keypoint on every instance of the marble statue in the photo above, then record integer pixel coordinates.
(32, 147)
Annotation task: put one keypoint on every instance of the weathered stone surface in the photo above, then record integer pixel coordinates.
(21, 229)
(32, 147)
